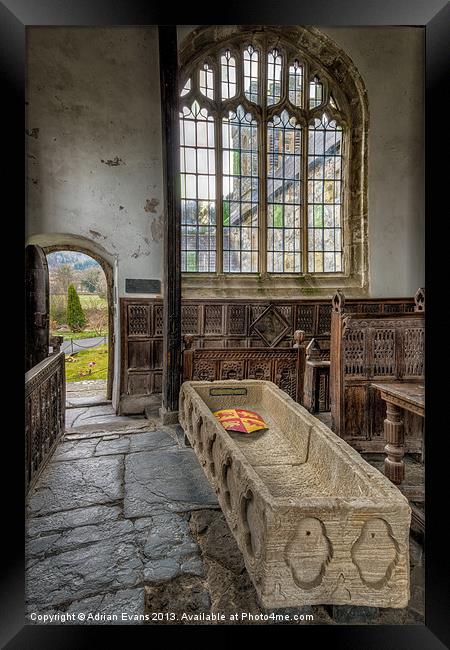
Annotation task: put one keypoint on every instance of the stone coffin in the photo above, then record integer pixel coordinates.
(316, 524)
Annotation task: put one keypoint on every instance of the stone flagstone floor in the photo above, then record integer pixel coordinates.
(124, 520)
(110, 514)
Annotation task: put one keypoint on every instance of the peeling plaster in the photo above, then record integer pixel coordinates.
(156, 227)
(115, 162)
(139, 253)
(150, 205)
(96, 234)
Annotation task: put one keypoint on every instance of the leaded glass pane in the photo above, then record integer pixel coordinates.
(251, 59)
(284, 146)
(274, 63)
(324, 196)
(206, 81)
(315, 93)
(198, 190)
(186, 88)
(296, 84)
(288, 220)
(240, 192)
(228, 68)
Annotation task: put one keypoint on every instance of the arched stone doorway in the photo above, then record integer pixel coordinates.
(60, 242)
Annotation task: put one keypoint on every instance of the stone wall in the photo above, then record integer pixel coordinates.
(94, 143)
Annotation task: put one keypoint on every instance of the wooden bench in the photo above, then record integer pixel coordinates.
(283, 366)
(316, 391)
(373, 348)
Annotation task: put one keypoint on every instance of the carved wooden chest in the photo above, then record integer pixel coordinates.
(316, 524)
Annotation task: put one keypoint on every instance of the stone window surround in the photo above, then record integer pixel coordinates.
(336, 67)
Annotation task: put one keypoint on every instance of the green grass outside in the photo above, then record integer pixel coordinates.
(86, 334)
(79, 369)
(89, 300)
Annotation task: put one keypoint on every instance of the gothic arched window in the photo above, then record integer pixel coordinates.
(264, 132)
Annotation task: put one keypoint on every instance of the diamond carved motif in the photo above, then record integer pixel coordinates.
(271, 326)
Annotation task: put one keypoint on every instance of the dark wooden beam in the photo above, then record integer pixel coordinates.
(168, 63)
(36, 306)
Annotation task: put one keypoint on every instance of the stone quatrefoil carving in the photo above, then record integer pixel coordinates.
(375, 567)
(308, 553)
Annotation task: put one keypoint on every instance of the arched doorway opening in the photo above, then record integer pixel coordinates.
(90, 342)
(65, 242)
(80, 313)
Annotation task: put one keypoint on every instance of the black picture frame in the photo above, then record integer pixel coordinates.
(434, 16)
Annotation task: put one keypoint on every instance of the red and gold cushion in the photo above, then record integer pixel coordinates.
(240, 420)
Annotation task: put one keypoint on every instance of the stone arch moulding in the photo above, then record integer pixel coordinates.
(337, 67)
(52, 242)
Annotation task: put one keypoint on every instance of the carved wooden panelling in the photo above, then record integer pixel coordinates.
(368, 347)
(190, 319)
(305, 318)
(384, 353)
(398, 308)
(286, 375)
(286, 311)
(158, 320)
(370, 308)
(356, 415)
(234, 343)
(324, 326)
(214, 343)
(231, 369)
(414, 341)
(157, 382)
(212, 319)
(223, 324)
(204, 370)
(324, 392)
(259, 369)
(256, 311)
(139, 355)
(236, 319)
(44, 413)
(141, 346)
(139, 320)
(279, 366)
(157, 356)
(270, 326)
(354, 352)
(139, 384)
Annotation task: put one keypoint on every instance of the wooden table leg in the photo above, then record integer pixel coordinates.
(394, 435)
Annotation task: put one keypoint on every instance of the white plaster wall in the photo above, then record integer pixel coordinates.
(94, 142)
(391, 63)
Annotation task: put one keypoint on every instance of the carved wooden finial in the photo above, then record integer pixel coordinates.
(299, 337)
(419, 299)
(188, 341)
(338, 301)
